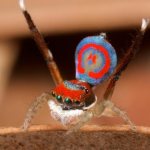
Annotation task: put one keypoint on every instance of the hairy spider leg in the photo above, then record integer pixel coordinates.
(48, 57)
(51, 64)
(129, 55)
(37, 104)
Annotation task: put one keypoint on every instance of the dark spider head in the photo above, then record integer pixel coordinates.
(74, 94)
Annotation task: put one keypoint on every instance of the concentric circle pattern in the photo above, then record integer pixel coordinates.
(95, 59)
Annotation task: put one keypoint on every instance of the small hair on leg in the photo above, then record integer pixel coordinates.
(37, 104)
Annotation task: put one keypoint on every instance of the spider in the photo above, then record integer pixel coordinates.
(73, 102)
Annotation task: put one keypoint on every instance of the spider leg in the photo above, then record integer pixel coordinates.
(112, 110)
(52, 66)
(106, 107)
(37, 104)
(83, 119)
(129, 55)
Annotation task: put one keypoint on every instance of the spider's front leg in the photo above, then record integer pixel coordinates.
(48, 57)
(37, 104)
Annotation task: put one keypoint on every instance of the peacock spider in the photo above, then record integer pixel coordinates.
(96, 60)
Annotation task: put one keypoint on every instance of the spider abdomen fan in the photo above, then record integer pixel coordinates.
(95, 59)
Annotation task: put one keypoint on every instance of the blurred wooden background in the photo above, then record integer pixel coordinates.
(55, 16)
(23, 73)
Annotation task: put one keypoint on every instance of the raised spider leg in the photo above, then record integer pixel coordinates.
(52, 66)
(106, 107)
(37, 104)
(129, 55)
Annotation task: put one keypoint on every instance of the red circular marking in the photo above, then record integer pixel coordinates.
(106, 55)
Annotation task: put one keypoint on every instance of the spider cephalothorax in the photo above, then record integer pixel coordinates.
(74, 94)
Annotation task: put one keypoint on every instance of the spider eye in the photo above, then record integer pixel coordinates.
(59, 98)
(68, 101)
